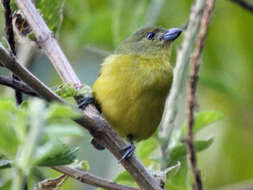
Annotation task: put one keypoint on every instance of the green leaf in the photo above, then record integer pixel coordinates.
(179, 151)
(180, 180)
(5, 164)
(85, 165)
(203, 119)
(8, 119)
(54, 154)
(57, 111)
(145, 148)
(58, 130)
(52, 12)
(124, 176)
(14, 7)
(66, 90)
(85, 90)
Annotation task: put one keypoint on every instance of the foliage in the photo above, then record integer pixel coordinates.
(25, 143)
(177, 171)
(52, 13)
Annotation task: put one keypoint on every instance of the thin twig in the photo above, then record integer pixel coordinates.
(8, 25)
(11, 41)
(9, 61)
(195, 65)
(87, 178)
(17, 85)
(179, 73)
(91, 119)
(244, 4)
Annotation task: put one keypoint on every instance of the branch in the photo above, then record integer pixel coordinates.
(182, 62)
(11, 40)
(8, 25)
(193, 81)
(9, 61)
(91, 120)
(18, 85)
(87, 178)
(244, 4)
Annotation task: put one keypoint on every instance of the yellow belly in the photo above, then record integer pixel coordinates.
(132, 92)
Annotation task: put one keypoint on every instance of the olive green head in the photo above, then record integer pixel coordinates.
(149, 42)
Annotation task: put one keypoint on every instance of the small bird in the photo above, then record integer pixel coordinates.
(134, 82)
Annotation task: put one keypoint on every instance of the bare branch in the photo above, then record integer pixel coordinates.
(87, 178)
(182, 62)
(48, 43)
(18, 85)
(8, 25)
(244, 4)
(11, 40)
(9, 61)
(193, 81)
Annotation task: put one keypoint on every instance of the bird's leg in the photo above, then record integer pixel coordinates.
(84, 102)
(96, 144)
(129, 149)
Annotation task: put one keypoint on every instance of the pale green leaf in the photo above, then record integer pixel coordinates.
(58, 130)
(145, 148)
(85, 165)
(52, 12)
(179, 151)
(57, 111)
(124, 176)
(55, 153)
(203, 119)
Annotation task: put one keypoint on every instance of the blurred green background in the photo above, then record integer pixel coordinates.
(91, 29)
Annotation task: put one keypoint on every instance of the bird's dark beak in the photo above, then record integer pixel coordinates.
(172, 34)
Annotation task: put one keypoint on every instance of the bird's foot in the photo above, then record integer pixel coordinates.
(84, 102)
(97, 145)
(128, 152)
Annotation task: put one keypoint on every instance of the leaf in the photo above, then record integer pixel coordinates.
(179, 151)
(124, 176)
(66, 90)
(85, 165)
(52, 12)
(62, 111)
(58, 130)
(203, 119)
(145, 148)
(180, 179)
(5, 164)
(8, 137)
(54, 154)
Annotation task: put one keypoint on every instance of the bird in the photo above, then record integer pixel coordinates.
(133, 84)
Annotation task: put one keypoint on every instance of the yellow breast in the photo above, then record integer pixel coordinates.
(131, 91)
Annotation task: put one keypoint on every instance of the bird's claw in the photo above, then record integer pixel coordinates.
(128, 152)
(84, 102)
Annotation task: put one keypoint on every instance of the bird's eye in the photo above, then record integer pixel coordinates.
(150, 35)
